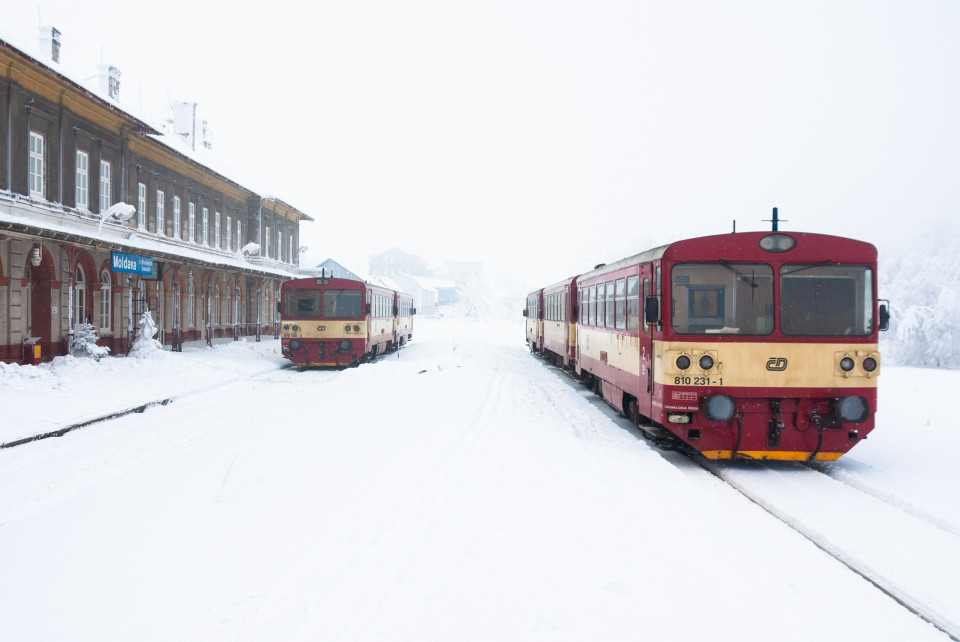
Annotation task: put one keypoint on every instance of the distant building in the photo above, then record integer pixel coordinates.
(104, 215)
(334, 270)
(395, 261)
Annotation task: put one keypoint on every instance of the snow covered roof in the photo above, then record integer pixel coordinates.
(204, 157)
(52, 221)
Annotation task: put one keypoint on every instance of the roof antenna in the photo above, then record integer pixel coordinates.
(776, 220)
(734, 226)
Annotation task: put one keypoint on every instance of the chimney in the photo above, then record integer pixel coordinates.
(185, 122)
(50, 41)
(109, 80)
(205, 139)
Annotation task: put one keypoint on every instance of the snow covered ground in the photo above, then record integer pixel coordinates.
(461, 490)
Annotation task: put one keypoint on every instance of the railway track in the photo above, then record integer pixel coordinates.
(892, 549)
(83, 422)
(907, 553)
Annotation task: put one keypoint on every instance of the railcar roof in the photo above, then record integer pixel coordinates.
(812, 247)
(336, 282)
(559, 285)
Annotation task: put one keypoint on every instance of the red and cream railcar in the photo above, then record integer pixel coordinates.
(560, 322)
(340, 322)
(752, 345)
(534, 320)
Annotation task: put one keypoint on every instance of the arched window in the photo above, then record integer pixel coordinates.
(105, 300)
(80, 298)
(215, 305)
(227, 312)
(267, 308)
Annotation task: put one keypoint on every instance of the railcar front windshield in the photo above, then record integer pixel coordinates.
(301, 304)
(722, 298)
(342, 304)
(826, 300)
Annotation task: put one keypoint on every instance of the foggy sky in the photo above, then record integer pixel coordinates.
(544, 137)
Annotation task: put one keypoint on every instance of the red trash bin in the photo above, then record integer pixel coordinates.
(32, 353)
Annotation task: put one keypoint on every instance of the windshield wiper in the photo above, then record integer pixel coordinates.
(751, 280)
(807, 267)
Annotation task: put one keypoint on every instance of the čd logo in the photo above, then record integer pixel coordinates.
(777, 364)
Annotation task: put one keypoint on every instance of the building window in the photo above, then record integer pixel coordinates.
(176, 217)
(192, 222)
(205, 226)
(239, 236)
(35, 181)
(279, 245)
(83, 181)
(290, 255)
(191, 292)
(141, 205)
(161, 222)
(216, 229)
(229, 235)
(227, 314)
(215, 305)
(80, 298)
(105, 293)
(266, 242)
(105, 184)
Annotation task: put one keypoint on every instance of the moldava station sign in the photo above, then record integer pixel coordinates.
(145, 266)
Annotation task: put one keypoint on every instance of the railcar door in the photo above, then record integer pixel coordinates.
(645, 393)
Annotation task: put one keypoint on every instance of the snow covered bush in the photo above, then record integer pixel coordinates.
(85, 343)
(144, 343)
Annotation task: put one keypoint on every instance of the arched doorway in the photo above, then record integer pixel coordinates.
(42, 280)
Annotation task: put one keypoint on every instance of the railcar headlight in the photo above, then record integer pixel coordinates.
(706, 362)
(851, 410)
(777, 243)
(846, 364)
(295, 327)
(718, 407)
(356, 328)
(683, 362)
(347, 328)
(870, 364)
(294, 345)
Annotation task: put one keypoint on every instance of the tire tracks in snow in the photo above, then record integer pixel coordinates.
(345, 603)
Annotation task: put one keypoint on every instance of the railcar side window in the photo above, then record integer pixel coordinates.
(342, 304)
(633, 303)
(593, 305)
(722, 298)
(826, 300)
(621, 304)
(610, 302)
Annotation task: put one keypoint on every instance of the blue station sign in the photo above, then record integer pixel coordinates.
(132, 263)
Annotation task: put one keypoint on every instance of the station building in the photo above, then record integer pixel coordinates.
(104, 215)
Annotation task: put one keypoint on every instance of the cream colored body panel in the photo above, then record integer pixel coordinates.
(617, 350)
(767, 365)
